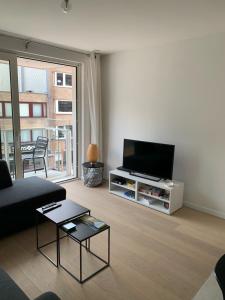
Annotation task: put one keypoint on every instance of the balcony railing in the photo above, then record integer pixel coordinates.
(58, 158)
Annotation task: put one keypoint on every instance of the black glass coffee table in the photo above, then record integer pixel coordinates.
(69, 210)
(84, 233)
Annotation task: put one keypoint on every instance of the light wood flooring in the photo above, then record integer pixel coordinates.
(153, 256)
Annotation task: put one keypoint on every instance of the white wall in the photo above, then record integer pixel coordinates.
(172, 94)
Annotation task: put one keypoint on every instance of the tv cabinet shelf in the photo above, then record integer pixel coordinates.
(124, 186)
(156, 195)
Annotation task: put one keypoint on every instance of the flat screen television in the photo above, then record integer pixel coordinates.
(148, 158)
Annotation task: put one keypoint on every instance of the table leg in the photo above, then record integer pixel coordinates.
(36, 223)
(109, 246)
(89, 240)
(81, 262)
(57, 247)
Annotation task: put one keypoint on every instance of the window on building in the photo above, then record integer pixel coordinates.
(63, 107)
(25, 135)
(68, 80)
(9, 136)
(37, 110)
(32, 80)
(60, 132)
(36, 133)
(27, 110)
(8, 110)
(24, 110)
(63, 79)
(59, 79)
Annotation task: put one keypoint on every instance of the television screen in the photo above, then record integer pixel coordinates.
(149, 158)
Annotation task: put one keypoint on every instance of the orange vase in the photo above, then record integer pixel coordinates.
(92, 153)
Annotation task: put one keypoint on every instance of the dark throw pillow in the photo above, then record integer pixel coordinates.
(5, 177)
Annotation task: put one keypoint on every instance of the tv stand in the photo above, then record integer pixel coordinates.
(164, 196)
(153, 178)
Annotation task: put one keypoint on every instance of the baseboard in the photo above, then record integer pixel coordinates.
(205, 209)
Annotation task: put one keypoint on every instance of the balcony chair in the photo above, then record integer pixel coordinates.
(39, 152)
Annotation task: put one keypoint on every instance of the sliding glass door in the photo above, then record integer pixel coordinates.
(47, 104)
(9, 115)
(38, 102)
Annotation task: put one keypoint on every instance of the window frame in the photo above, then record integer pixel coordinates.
(28, 109)
(4, 116)
(57, 107)
(30, 136)
(43, 110)
(64, 85)
(1, 110)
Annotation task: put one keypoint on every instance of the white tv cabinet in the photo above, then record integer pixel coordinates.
(168, 203)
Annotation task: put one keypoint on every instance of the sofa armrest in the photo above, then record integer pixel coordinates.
(48, 296)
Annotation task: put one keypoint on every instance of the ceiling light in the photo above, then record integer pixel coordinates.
(66, 6)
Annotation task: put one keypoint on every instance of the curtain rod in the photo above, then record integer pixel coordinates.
(28, 41)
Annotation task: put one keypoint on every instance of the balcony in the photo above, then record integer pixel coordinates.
(58, 157)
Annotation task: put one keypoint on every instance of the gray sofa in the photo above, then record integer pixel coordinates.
(9, 290)
(20, 198)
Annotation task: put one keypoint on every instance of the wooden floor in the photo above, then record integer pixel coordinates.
(153, 256)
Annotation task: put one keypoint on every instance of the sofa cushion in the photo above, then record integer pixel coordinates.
(5, 178)
(31, 190)
(9, 290)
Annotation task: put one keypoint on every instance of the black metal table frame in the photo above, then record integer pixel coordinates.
(57, 263)
(87, 247)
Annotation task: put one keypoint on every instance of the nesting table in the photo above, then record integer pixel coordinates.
(69, 211)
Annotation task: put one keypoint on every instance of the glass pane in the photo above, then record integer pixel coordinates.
(9, 136)
(43, 120)
(65, 106)
(37, 110)
(36, 133)
(68, 80)
(8, 109)
(25, 135)
(24, 109)
(59, 79)
(6, 127)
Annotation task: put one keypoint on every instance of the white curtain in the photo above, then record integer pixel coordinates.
(93, 81)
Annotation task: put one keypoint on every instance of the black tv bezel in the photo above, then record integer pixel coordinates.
(148, 174)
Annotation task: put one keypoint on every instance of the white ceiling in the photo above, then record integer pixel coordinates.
(112, 25)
